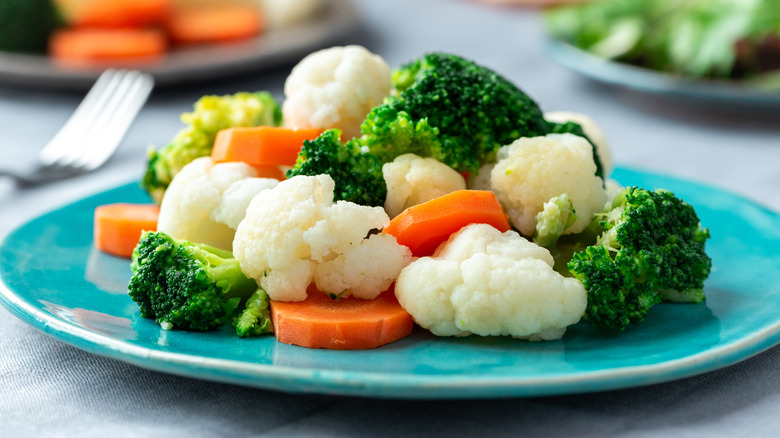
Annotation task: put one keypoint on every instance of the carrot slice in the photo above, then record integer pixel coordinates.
(270, 172)
(114, 13)
(345, 324)
(425, 226)
(215, 22)
(92, 44)
(261, 145)
(119, 226)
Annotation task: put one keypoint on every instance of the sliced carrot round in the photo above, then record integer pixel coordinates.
(216, 22)
(425, 226)
(95, 44)
(119, 226)
(343, 324)
(114, 13)
(261, 145)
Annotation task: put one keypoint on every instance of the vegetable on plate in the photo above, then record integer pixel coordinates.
(423, 227)
(651, 249)
(189, 286)
(336, 323)
(261, 145)
(119, 226)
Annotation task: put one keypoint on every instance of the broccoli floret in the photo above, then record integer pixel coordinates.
(183, 285)
(357, 174)
(211, 114)
(475, 110)
(255, 319)
(557, 215)
(391, 133)
(652, 248)
(25, 25)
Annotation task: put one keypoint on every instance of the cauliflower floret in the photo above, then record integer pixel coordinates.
(531, 171)
(480, 180)
(335, 88)
(485, 282)
(591, 129)
(206, 201)
(412, 180)
(294, 234)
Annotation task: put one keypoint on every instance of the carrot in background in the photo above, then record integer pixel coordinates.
(114, 13)
(425, 226)
(261, 145)
(119, 226)
(93, 44)
(214, 22)
(344, 324)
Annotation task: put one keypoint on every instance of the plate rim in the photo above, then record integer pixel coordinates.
(382, 384)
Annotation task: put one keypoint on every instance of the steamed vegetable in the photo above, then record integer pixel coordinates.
(184, 285)
(489, 283)
(335, 88)
(295, 233)
(412, 180)
(210, 115)
(423, 227)
(206, 201)
(261, 145)
(119, 226)
(651, 248)
(531, 171)
(357, 175)
(321, 321)
(255, 319)
(471, 110)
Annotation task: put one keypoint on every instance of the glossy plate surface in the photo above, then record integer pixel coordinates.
(52, 278)
(335, 19)
(742, 95)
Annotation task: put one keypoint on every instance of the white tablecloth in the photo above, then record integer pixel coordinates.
(48, 388)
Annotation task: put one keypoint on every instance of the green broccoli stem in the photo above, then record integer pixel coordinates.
(255, 319)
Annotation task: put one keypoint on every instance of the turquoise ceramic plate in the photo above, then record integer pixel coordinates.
(743, 95)
(55, 280)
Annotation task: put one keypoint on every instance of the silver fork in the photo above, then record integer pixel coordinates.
(94, 131)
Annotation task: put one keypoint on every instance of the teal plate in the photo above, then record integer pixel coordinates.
(52, 278)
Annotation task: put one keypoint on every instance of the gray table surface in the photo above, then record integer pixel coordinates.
(48, 388)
